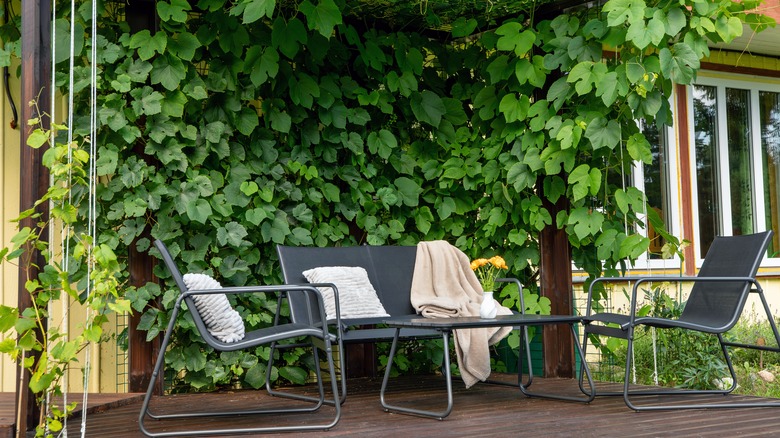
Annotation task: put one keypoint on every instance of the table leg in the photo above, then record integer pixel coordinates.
(588, 396)
(447, 375)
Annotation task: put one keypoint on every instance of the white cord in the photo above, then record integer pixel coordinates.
(92, 222)
(625, 230)
(650, 272)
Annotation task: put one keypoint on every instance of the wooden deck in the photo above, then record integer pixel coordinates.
(95, 403)
(484, 410)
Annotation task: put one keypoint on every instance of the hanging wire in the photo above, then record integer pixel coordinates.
(649, 267)
(92, 178)
(51, 109)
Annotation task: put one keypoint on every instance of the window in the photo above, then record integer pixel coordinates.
(655, 180)
(736, 151)
(769, 115)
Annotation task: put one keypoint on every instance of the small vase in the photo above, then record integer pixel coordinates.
(487, 309)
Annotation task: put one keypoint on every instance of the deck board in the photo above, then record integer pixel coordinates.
(483, 410)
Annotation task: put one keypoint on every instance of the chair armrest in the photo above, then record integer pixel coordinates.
(266, 289)
(638, 280)
(341, 329)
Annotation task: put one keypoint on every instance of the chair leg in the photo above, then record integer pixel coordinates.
(627, 393)
(156, 374)
(584, 370)
(271, 391)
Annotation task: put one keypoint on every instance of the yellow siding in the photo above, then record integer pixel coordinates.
(743, 60)
(10, 202)
(104, 375)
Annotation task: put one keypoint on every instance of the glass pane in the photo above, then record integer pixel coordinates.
(656, 184)
(705, 121)
(740, 164)
(769, 104)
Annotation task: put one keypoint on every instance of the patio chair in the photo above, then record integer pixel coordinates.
(315, 332)
(714, 306)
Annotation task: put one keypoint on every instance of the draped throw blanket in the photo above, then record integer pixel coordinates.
(444, 286)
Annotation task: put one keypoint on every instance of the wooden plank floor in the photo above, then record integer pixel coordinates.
(95, 403)
(484, 410)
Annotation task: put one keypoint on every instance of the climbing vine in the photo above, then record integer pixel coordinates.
(77, 271)
(235, 126)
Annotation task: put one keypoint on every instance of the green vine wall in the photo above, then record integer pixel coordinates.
(237, 126)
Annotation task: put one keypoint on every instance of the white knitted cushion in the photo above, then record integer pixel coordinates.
(222, 321)
(357, 297)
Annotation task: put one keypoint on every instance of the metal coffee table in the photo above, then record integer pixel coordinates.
(447, 325)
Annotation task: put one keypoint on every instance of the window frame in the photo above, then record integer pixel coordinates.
(754, 85)
(667, 133)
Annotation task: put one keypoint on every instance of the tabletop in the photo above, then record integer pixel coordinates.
(462, 322)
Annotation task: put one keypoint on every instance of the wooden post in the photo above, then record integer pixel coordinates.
(555, 254)
(35, 82)
(141, 354)
(555, 284)
(141, 15)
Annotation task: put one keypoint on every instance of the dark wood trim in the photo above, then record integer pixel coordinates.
(555, 283)
(361, 360)
(34, 177)
(686, 193)
(141, 354)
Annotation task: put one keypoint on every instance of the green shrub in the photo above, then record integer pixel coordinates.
(693, 360)
(682, 358)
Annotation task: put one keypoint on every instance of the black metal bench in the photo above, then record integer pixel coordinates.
(390, 270)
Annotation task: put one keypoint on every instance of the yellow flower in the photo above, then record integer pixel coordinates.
(488, 270)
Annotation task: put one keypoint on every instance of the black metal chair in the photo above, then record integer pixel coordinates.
(714, 306)
(317, 333)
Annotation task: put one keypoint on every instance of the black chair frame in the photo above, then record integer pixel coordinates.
(318, 335)
(729, 306)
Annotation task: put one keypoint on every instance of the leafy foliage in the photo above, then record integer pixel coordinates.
(233, 127)
(681, 358)
(80, 271)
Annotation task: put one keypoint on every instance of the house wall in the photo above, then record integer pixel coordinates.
(9, 199)
(107, 362)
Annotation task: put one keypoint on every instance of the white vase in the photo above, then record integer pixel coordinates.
(488, 308)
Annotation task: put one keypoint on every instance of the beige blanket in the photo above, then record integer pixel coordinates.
(443, 285)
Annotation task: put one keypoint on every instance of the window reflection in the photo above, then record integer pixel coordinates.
(740, 163)
(656, 184)
(769, 108)
(706, 139)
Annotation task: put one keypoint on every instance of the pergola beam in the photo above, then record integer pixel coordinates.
(34, 177)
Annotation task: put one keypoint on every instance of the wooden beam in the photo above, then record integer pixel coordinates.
(35, 84)
(684, 154)
(555, 284)
(141, 354)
